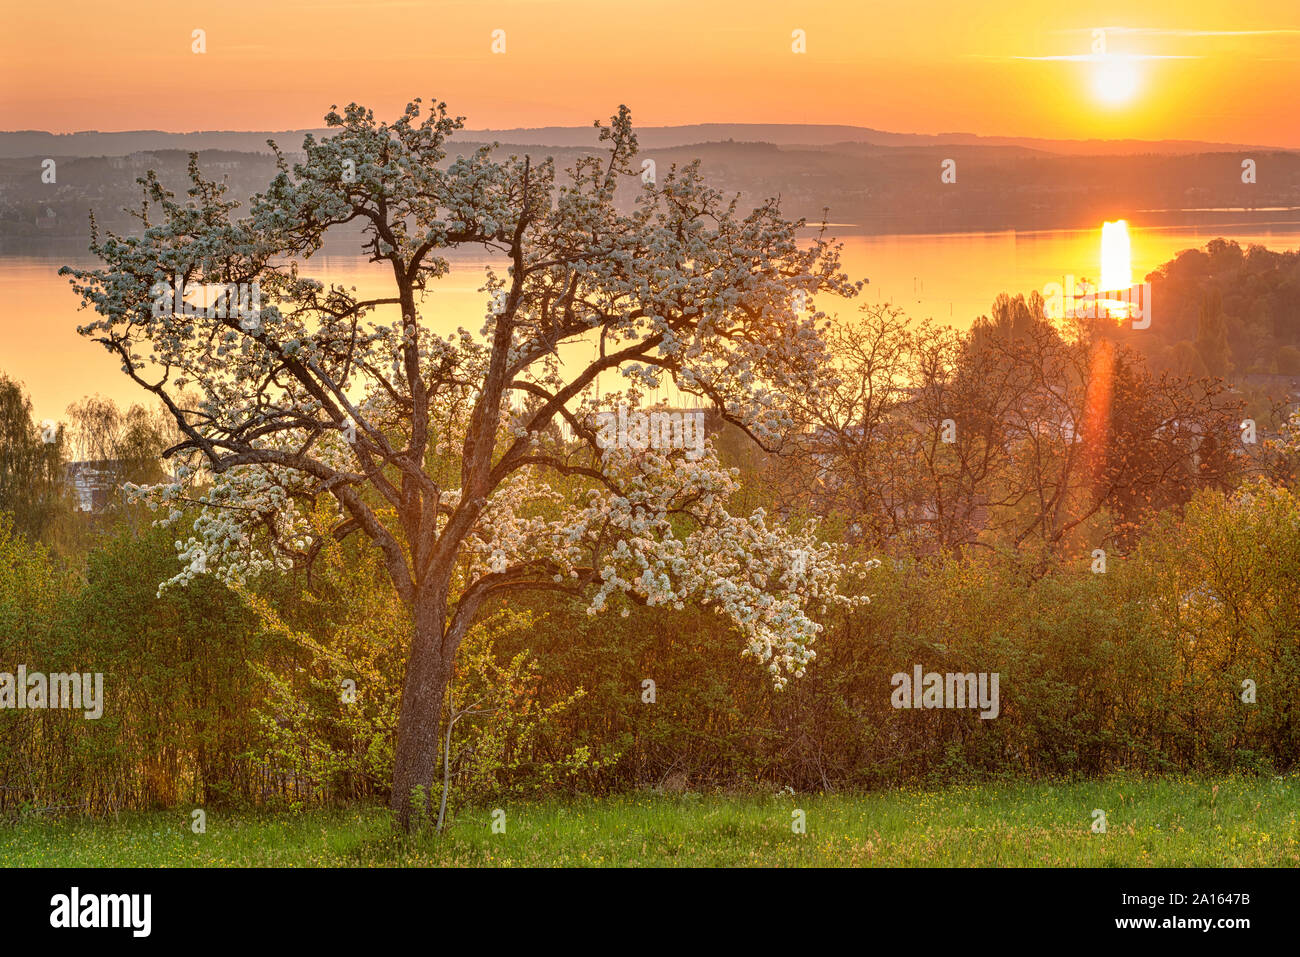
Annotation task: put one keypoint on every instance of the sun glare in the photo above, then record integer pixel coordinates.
(1115, 80)
(1116, 263)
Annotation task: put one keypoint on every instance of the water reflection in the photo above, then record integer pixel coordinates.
(951, 278)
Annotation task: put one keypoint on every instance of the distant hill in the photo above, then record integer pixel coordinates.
(797, 134)
(96, 143)
(126, 142)
(867, 187)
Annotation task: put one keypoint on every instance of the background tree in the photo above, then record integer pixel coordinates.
(1212, 336)
(1018, 432)
(446, 453)
(116, 448)
(31, 468)
(130, 443)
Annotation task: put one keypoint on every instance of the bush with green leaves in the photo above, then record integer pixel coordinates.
(1184, 656)
(329, 717)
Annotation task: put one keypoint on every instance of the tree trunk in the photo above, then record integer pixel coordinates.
(420, 715)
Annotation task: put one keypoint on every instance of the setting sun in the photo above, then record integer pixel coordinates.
(1115, 80)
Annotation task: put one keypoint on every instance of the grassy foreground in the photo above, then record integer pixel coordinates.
(1224, 822)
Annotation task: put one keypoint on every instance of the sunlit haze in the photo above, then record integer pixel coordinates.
(1178, 70)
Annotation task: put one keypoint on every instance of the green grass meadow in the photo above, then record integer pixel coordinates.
(1223, 822)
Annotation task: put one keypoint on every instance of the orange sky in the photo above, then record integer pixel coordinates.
(1204, 70)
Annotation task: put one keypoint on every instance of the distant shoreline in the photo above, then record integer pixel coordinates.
(73, 245)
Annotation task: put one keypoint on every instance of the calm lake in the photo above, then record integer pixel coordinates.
(951, 278)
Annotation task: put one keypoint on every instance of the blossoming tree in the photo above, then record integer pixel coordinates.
(471, 461)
